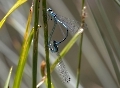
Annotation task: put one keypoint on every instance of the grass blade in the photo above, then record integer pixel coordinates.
(24, 52)
(79, 61)
(22, 60)
(109, 28)
(83, 3)
(107, 44)
(118, 2)
(113, 38)
(8, 79)
(35, 44)
(15, 6)
(28, 23)
(83, 14)
(44, 9)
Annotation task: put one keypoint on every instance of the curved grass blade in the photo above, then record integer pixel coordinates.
(44, 79)
(15, 6)
(66, 49)
(8, 79)
(24, 52)
(44, 75)
(41, 82)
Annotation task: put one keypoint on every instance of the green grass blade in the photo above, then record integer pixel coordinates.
(113, 37)
(28, 23)
(118, 2)
(44, 9)
(83, 3)
(24, 52)
(79, 61)
(108, 47)
(15, 6)
(81, 38)
(8, 79)
(35, 44)
(109, 28)
(22, 60)
(66, 49)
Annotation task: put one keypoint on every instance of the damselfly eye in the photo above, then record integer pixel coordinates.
(49, 9)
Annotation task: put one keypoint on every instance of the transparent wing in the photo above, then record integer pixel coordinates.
(63, 72)
(72, 25)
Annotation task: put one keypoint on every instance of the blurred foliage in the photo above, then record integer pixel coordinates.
(15, 6)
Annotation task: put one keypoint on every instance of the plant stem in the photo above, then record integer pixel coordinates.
(79, 61)
(83, 3)
(35, 44)
(46, 41)
(81, 39)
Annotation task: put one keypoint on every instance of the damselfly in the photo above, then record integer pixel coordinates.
(53, 44)
(69, 24)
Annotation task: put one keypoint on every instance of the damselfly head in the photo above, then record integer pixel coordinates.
(50, 10)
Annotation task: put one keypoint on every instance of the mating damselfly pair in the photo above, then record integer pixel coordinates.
(69, 25)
